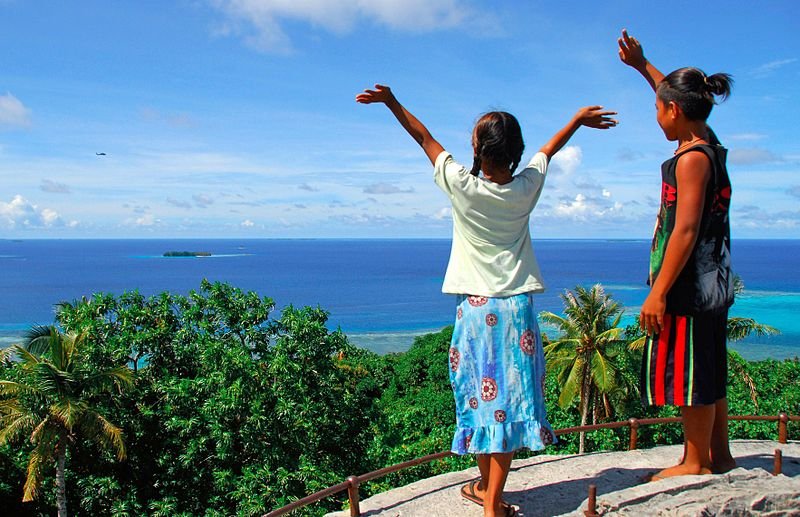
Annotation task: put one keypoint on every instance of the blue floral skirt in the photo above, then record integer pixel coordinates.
(497, 373)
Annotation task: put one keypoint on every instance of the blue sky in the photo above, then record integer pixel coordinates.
(223, 118)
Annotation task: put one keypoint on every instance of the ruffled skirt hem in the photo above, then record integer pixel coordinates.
(502, 438)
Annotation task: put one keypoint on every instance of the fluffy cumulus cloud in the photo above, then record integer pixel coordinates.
(20, 213)
(568, 159)
(143, 221)
(13, 112)
(260, 21)
(585, 208)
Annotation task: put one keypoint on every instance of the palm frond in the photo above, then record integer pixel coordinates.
(104, 433)
(637, 344)
(603, 372)
(15, 424)
(39, 458)
(554, 319)
(37, 339)
(118, 377)
(740, 328)
(68, 411)
(26, 358)
(13, 389)
(571, 386)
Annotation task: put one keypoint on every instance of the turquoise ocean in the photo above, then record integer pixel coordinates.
(381, 293)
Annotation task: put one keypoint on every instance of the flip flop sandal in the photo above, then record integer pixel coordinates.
(468, 492)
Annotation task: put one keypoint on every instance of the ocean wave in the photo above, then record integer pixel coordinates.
(754, 293)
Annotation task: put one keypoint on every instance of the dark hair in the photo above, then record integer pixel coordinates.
(498, 140)
(694, 91)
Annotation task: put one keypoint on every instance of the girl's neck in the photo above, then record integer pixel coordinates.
(692, 135)
(499, 175)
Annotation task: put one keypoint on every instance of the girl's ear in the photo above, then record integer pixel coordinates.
(674, 110)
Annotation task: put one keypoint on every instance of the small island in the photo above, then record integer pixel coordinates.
(187, 254)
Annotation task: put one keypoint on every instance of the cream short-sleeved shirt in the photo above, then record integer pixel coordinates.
(491, 253)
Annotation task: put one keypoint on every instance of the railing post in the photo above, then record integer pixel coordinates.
(783, 418)
(352, 495)
(778, 467)
(634, 425)
(591, 505)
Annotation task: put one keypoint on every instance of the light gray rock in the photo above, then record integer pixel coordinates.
(739, 492)
(551, 485)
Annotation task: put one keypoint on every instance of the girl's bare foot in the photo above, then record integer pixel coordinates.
(680, 470)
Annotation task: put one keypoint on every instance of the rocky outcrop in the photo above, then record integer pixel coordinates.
(739, 492)
(551, 485)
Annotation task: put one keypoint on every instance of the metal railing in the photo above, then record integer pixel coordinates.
(352, 483)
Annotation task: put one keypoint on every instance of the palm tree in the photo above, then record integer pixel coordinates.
(51, 402)
(585, 355)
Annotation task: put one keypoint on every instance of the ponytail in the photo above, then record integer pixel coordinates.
(694, 91)
(719, 85)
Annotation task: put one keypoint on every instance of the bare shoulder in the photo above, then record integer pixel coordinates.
(694, 165)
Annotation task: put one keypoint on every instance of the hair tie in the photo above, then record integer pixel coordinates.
(705, 80)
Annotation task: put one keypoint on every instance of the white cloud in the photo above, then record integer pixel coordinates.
(260, 21)
(443, 214)
(752, 155)
(568, 159)
(386, 188)
(767, 68)
(584, 208)
(145, 220)
(202, 200)
(179, 204)
(54, 187)
(747, 137)
(247, 223)
(21, 213)
(13, 112)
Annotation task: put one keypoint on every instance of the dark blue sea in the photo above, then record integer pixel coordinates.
(381, 293)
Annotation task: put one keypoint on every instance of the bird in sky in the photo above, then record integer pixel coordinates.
(100, 154)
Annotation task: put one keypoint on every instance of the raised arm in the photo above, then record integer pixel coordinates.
(415, 128)
(631, 53)
(590, 116)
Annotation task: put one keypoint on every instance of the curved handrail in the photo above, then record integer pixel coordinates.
(352, 483)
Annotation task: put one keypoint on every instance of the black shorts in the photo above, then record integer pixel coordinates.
(687, 363)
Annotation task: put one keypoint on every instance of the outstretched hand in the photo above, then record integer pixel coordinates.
(381, 93)
(595, 117)
(630, 51)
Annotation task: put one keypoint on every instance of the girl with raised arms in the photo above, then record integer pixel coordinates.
(691, 284)
(497, 366)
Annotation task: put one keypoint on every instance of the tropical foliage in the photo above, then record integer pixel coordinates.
(586, 355)
(236, 408)
(53, 401)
